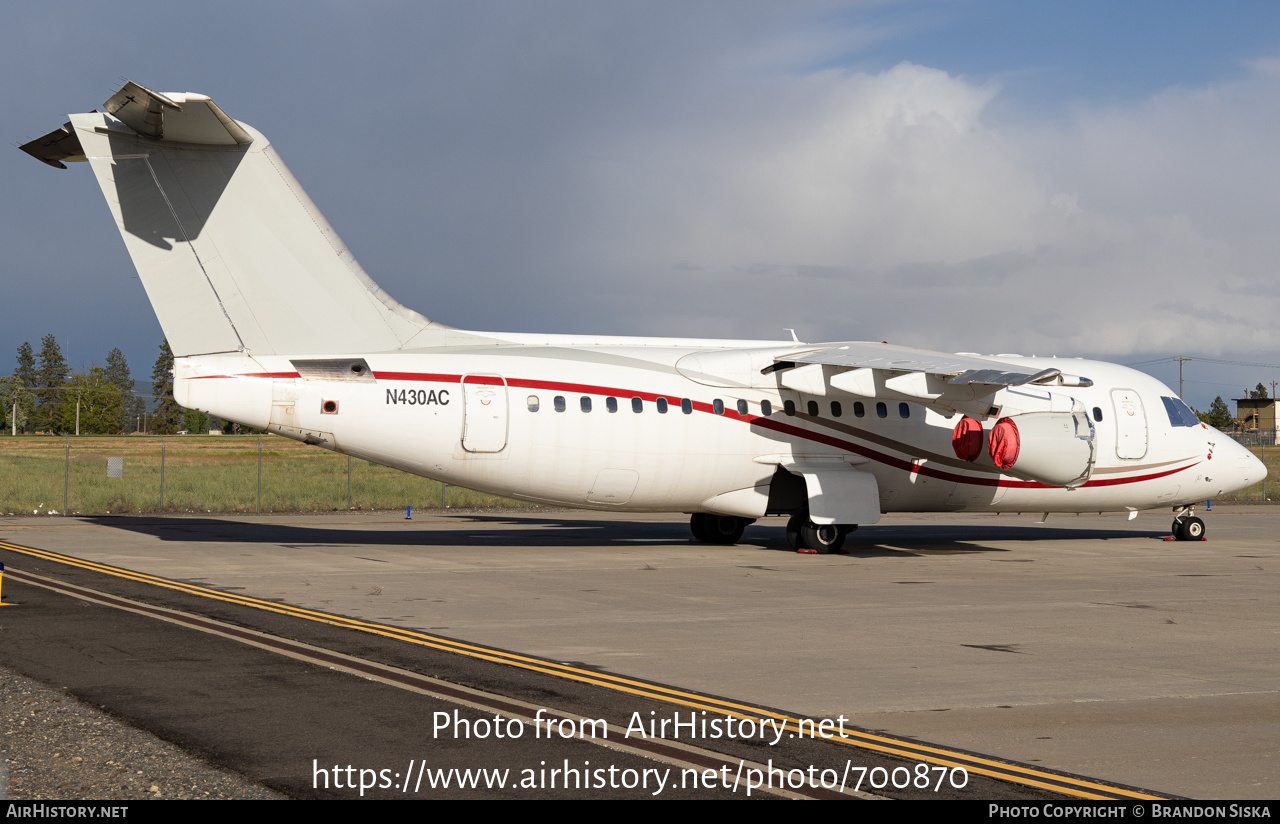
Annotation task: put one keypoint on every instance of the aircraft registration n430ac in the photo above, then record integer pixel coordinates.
(273, 324)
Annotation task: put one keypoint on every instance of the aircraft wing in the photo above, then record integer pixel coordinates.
(880, 370)
(958, 369)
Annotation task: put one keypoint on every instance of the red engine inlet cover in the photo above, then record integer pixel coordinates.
(966, 440)
(1003, 444)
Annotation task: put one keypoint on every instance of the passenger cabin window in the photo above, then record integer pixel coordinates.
(662, 405)
(904, 411)
(789, 407)
(637, 405)
(859, 410)
(611, 404)
(1097, 414)
(835, 409)
(812, 406)
(882, 410)
(766, 408)
(742, 407)
(585, 404)
(559, 403)
(717, 406)
(533, 403)
(686, 406)
(1179, 413)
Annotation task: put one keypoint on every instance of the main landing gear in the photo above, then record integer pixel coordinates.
(803, 535)
(717, 529)
(1186, 527)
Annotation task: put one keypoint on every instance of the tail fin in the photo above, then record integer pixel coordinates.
(233, 254)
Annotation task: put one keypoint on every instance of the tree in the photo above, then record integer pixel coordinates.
(1260, 393)
(26, 371)
(117, 371)
(131, 406)
(51, 374)
(195, 421)
(13, 393)
(20, 389)
(1218, 416)
(98, 400)
(167, 415)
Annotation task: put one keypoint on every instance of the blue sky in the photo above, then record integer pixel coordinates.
(1092, 51)
(1085, 178)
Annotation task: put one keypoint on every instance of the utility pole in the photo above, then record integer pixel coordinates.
(1180, 362)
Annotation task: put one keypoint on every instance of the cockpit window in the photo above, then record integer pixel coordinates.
(1179, 413)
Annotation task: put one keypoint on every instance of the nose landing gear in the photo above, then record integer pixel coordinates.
(1186, 527)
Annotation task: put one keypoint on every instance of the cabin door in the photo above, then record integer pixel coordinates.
(484, 406)
(1131, 424)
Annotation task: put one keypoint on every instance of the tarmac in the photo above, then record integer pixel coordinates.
(1087, 644)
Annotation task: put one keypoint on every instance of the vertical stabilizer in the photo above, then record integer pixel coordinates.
(233, 254)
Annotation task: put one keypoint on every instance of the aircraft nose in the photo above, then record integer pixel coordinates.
(1247, 470)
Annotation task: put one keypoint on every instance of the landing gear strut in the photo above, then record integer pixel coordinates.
(717, 529)
(803, 535)
(1186, 527)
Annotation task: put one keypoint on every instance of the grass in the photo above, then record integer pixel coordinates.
(206, 474)
(220, 474)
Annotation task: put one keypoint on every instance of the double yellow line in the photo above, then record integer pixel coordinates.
(1065, 784)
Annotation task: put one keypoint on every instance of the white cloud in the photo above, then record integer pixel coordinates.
(886, 205)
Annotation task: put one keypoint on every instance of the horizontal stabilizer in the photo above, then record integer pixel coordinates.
(179, 118)
(55, 147)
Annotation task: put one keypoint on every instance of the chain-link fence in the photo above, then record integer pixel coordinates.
(247, 473)
(1255, 437)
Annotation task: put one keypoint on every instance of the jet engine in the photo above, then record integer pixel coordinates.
(1054, 448)
(966, 439)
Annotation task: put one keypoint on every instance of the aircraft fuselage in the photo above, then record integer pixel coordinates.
(616, 424)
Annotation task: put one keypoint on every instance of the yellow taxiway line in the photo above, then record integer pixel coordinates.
(1066, 784)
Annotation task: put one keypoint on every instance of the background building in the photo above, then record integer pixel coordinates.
(1256, 419)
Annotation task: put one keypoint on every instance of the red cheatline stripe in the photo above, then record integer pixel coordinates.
(754, 420)
(248, 375)
(417, 376)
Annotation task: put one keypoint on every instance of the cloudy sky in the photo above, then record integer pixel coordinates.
(1071, 178)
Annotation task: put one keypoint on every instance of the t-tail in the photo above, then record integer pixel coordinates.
(232, 253)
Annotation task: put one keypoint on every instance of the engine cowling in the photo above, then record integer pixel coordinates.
(1054, 448)
(966, 439)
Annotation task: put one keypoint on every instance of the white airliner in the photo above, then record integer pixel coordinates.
(274, 325)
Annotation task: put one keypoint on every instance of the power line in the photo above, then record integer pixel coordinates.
(1149, 362)
(1219, 361)
(1238, 363)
